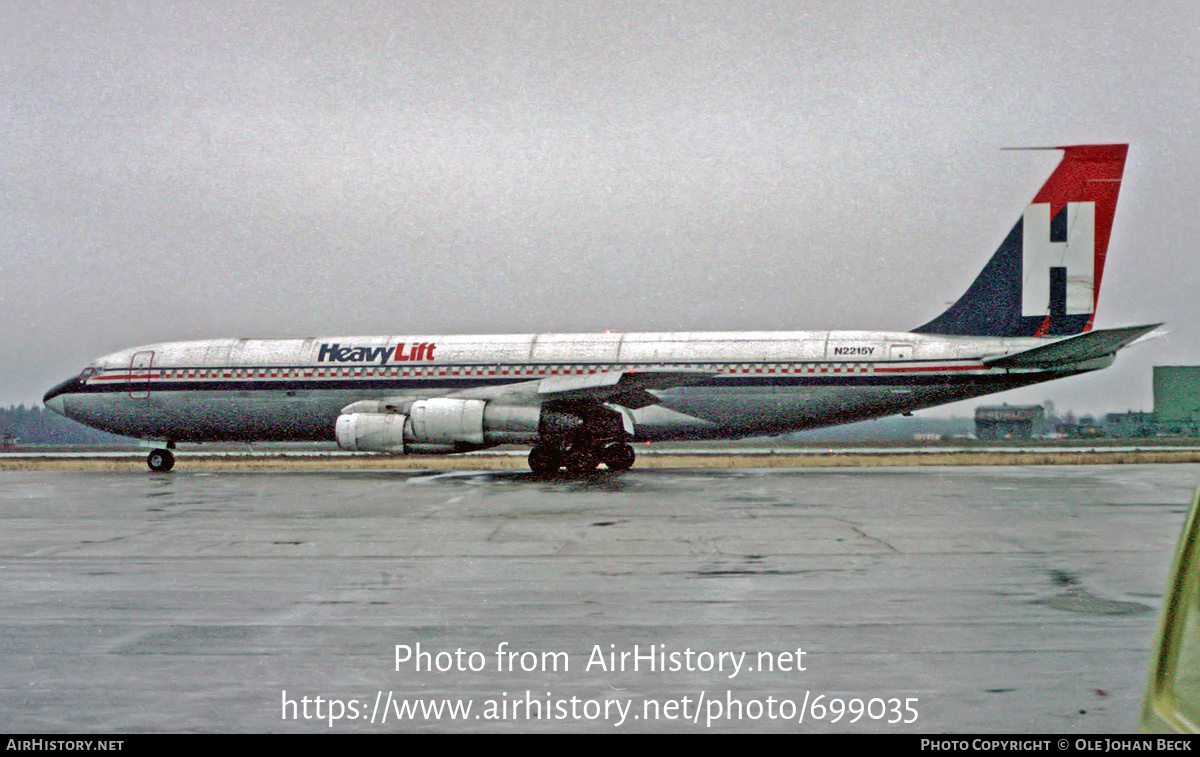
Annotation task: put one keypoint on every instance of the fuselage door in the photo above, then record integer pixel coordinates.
(900, 352)
(139, 374)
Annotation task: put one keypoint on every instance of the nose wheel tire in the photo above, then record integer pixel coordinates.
(160, 460)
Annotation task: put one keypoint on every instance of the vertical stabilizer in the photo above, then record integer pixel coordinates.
(1045, 277)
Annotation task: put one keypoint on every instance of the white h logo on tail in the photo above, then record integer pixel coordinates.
(1076, 253)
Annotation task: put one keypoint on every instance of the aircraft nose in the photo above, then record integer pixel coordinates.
(54, 398)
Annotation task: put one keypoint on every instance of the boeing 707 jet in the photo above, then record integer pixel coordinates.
(581, 399)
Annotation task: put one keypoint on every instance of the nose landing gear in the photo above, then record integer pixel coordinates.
(160, 460)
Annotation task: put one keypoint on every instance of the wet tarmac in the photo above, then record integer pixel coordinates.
(930, 599)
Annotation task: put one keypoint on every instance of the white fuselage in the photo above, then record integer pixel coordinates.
(754, 382)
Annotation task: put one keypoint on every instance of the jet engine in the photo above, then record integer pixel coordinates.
(442, 424)
(371, 432)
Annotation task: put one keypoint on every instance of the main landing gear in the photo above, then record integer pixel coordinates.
(579, 456)
(580, 437)
(161, 460)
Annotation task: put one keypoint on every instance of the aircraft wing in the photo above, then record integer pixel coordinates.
(625, 388)
(1074, 349)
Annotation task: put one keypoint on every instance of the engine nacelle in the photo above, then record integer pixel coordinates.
(436, 425)
(445, 424)
(371, 432)
(442, 420)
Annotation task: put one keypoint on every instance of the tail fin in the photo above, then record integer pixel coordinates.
(1045, 278)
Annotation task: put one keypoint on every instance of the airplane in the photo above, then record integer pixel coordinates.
(581, 399)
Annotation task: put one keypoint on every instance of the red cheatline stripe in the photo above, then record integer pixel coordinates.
(930, 369)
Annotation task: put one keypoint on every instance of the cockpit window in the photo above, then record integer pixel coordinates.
(87, 373)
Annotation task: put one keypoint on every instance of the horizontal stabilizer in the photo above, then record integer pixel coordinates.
(1075, 349)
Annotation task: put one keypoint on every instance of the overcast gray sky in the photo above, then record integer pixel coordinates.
(192, 170)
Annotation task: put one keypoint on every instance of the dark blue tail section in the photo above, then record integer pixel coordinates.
(1045, 277)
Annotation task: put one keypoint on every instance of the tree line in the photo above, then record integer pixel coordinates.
(22, 426)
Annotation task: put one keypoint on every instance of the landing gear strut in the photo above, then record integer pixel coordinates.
(160, 460)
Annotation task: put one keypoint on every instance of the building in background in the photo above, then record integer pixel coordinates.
(1177, 399)
(1009, 421)
(1132, 425)
(1176, 410)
